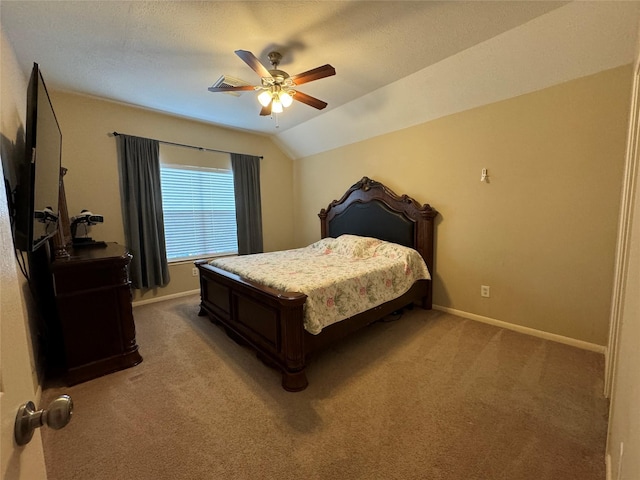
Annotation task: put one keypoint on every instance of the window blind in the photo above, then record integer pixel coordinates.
(199, 211)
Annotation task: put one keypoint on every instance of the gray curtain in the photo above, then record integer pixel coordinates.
(246, 183)
(142, 210)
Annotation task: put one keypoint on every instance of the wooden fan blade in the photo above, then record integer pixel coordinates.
(251, 60)
(230, 89)
(266, 110)
(309, 100)
(315, 74)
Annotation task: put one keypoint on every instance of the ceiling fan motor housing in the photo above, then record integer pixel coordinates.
(274, 58)
(279, 77)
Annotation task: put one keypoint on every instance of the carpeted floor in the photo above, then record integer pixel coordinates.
(428, 396)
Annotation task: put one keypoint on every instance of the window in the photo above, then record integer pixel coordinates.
(199, 212)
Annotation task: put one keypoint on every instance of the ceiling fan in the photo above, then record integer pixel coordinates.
(277, 88)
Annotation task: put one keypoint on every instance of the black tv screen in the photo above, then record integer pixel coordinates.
(38, 191)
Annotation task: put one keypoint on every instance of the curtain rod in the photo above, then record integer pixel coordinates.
(115, 134)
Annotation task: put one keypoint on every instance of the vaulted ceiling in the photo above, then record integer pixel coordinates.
(398, 63)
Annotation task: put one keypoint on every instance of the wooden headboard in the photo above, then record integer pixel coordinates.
(370, 209)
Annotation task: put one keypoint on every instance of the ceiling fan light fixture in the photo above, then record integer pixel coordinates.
(265, 98)
(276, 106)
(285, 99)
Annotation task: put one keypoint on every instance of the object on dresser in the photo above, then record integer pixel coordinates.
(87, 242)
(87, 219)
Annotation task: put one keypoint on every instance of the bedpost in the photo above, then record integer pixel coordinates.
(323, 223)
(294, 378)
(425, 241)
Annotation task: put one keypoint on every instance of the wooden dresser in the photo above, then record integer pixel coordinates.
(92, 331)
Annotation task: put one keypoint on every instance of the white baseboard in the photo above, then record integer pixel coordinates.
(165, 297)
(471, 316)
(526, 330)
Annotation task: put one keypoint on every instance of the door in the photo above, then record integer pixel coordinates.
(16, 377)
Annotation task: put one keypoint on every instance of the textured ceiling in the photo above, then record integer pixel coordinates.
(163, 55)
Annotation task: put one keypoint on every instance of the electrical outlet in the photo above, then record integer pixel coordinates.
(194, 272)
(485, 291)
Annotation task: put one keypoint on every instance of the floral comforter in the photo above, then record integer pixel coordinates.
(341, 276)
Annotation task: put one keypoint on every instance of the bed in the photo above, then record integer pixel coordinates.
(272, 321)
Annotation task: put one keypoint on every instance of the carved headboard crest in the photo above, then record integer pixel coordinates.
(366, 184)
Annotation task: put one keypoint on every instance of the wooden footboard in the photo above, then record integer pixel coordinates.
(269, 321)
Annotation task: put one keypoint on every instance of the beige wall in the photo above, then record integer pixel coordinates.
(541, 234)
(13, 111)
(19, 380)
(91, 183)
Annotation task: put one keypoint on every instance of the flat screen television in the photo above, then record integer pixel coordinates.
(37, 192)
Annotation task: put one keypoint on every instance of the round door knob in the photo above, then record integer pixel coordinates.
(56, 416)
